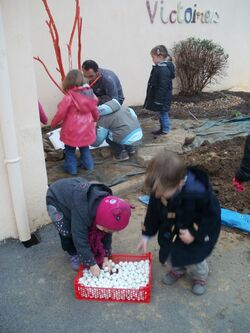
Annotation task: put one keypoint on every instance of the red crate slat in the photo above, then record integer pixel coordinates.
(141, 295)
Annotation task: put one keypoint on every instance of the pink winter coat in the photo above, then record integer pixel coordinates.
(77, 113)
(42, 114)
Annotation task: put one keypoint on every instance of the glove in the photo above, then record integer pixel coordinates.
(238, 185)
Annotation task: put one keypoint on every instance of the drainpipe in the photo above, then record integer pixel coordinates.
(12, 159)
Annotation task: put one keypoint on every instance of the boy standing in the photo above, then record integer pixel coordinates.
(185, 213)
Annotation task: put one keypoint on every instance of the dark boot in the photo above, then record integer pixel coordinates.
(159, 132)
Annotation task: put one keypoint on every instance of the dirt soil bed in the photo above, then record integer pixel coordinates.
(220, 160)
(207, 105)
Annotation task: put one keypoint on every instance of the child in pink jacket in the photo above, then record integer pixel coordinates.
(42, 115)
(77, 113)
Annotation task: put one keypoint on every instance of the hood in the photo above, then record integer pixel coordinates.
(197, 181)
(82, 98)
(171, 68)
(109, 107)
(95, 194)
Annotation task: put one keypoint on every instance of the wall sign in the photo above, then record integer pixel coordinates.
(180, 14)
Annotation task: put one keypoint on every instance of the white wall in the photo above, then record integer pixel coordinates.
(119, 36)
(7, 218)
(18, 50)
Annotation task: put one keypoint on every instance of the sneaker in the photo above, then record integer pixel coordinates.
(198, 287)
(75, 262)
(171, 277)
(71, 171)
(159, 132)
(123, 156)
(130, 150)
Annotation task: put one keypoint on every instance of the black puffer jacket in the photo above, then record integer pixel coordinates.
(194, 208)
(243, 173)
(159, 89)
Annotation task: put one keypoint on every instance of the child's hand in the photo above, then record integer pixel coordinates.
(106, 263)
(142, 246)
(95, 270)
(185, 236)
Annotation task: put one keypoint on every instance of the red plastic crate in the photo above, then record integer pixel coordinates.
(141, 295)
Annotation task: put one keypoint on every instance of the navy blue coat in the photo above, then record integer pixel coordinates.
(195, 208)
(159, 89)
(108, 86)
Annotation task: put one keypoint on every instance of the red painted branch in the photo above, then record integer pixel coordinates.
(69, 45)
(50, 76)
(50, 18)
(77, 13)
(56, 49)
(55, 38)
(79, 26)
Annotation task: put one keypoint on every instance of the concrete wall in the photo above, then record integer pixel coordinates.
(119, 35)
(16, 54)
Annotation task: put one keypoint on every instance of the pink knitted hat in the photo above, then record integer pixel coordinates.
(113, 213)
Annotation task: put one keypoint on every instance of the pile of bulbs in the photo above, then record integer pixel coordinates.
(126, 275)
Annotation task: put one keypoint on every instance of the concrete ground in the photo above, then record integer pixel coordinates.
(37, 293)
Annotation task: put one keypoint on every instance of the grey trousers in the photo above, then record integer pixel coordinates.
(197, 271)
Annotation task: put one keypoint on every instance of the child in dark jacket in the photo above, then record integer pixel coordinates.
(159, 90)
(120, 127)
(243, 173)
(77, 113)
(86, 214)
(186, 215)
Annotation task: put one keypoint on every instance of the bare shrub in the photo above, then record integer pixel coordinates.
(198, 63)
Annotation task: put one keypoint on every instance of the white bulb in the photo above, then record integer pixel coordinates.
(128, 275)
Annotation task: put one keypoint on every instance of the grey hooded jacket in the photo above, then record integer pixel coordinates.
(77, 199)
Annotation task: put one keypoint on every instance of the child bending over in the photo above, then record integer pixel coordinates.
(85, 215)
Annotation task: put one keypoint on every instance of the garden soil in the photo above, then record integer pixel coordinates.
(219, 159)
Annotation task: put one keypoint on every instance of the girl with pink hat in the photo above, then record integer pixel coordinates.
(85, 215)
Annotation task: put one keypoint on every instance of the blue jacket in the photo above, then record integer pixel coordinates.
(118, 124)
(159, 89)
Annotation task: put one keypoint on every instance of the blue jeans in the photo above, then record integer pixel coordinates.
(70, 163)
(164, 121)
